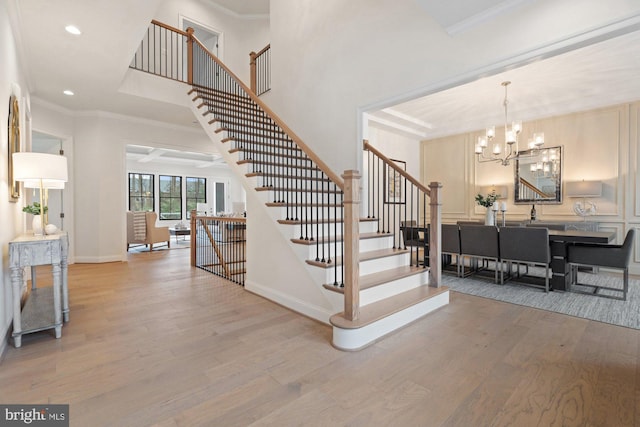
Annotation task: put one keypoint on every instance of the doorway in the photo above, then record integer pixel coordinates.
(209, 37)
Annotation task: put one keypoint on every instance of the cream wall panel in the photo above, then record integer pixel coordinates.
(445, 162)
(594, 147)
(592, 142)
(634, 138)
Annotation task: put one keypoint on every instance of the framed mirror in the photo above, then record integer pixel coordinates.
(538, 176)
(14, 146)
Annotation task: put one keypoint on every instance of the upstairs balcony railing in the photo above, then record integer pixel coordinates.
(260, 65)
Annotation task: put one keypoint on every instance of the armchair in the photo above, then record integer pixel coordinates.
(151, 235)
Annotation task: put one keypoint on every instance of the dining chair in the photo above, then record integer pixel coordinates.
(450, 242)
(480, 242)
(615, 257)
(414, 242)
(525, 245)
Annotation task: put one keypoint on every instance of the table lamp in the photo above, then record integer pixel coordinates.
(584, 189)
(40, 170)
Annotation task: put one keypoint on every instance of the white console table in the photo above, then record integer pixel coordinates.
(45, 307)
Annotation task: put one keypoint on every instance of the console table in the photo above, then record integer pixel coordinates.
(45, 307)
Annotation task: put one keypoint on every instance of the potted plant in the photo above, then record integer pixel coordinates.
(34, 209)
(487, 201)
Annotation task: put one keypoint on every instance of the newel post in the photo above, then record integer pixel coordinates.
(435, 237)
(192, 236)
(252, 67)
(351, 239)
(190, 55)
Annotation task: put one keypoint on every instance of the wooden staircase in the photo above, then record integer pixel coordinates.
(392, 292)
(359, 269)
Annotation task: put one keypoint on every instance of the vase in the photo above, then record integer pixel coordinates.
(36, 225)
(489, 218)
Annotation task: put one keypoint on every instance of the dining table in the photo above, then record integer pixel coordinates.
(559, 241)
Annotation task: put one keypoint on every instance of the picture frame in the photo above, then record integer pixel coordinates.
(394, 185)
(13, 126)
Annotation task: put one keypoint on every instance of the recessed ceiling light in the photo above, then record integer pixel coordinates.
(73, 30)
(68, 92)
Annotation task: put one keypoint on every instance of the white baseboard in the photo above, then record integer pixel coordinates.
(320, 314)
(97, 259)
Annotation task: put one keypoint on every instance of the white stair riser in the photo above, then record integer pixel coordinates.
(389, 289)
(355, 339)
(367, 267)
(366, 245)
(303, 197)
(326, 229)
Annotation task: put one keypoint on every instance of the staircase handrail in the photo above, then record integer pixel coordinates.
(391, 214)
(335, 178)
(395, 167)
(533, 188)
(256, 64)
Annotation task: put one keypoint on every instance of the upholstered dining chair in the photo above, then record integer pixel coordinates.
(480, 242)
(450, 242)
(607, 256)
(411, 239)
(525, 245)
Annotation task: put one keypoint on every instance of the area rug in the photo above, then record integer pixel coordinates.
(621, 313)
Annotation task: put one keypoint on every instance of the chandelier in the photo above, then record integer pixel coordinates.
(503, 153)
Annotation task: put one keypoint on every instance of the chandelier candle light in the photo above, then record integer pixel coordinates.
(509, 149)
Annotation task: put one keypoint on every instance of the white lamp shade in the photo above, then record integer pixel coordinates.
(29, 166)
(583, 189)
(46, 183)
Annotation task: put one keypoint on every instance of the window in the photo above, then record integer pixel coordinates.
(196, 193)
(141, 192)
(170, 197)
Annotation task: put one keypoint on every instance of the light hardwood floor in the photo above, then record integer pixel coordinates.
(155, 342)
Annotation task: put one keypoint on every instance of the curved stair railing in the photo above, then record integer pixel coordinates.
(298, 180)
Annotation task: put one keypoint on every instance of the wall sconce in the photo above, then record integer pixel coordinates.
(584, 189)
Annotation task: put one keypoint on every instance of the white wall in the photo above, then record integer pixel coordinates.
(239, 36)
(100, 171)
(11, 81)
(332, 58)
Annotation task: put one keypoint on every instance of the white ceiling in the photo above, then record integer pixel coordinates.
(602, 74)
(94, 64)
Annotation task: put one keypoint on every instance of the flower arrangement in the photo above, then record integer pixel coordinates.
(488, 201)
(34, 209)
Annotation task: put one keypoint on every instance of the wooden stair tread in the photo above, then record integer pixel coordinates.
(379, 310)
(364, 256)
(326, 239)
(299, 222)
(382, 277)
(299, 190)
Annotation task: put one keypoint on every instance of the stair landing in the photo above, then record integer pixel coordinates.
(379, 319)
